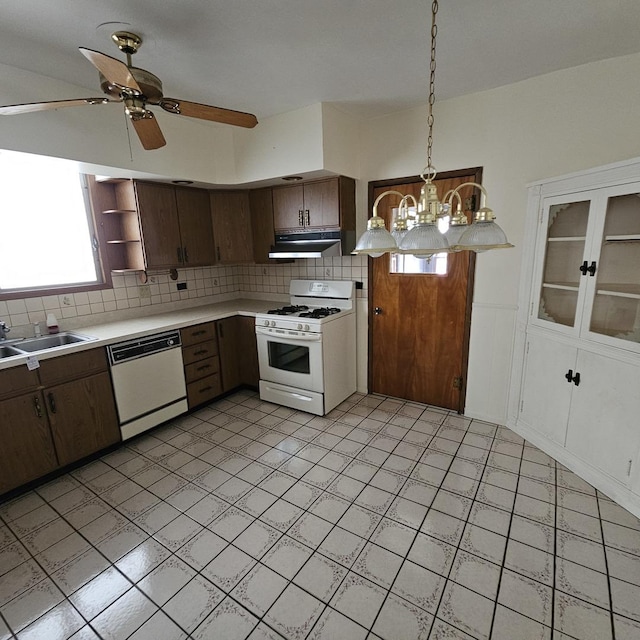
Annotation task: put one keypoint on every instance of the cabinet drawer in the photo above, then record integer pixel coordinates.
(200, 351)
(75, 365)
(198, 333)
(204, 390)
(201, 369)
(17, 380)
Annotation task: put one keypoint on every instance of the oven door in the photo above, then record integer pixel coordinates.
(290, 359)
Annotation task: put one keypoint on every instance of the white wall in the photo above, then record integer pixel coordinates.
(542, 127)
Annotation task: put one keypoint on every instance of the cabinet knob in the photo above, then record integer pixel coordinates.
(300, 218)
(583, 268)
(377, 311)
(185, 254)
(307, 217)
(572, 378)
(591, 269)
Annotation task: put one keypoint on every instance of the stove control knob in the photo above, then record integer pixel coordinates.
(299, 327)
(266, 323)
(273, 323)
(306, 327)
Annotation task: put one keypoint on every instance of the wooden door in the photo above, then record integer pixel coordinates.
(27, 450)
(83, 417)
(419, 337)
(231, 226)
(288, 205)
(228, 347)
(322, 204)
(159, 223)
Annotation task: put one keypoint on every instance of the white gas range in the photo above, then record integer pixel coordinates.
(307, 349)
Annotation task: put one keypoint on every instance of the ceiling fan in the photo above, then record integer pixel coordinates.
(136, 88)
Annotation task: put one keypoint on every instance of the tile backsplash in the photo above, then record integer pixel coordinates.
(206, 285)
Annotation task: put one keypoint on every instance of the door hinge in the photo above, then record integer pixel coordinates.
(521, 405)
(457, 382)
(629, 467)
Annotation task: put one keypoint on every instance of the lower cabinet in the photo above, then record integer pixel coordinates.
(27, 450)
(585, 402)
(227, 330)
(201, 363)
(219, 357)
(83, 417)
(65, 413)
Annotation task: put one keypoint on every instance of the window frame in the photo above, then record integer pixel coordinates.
(103, 273)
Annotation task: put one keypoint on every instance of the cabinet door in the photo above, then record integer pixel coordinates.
(613, 299)
(228, 348)
(546, 393)
(322, 204)
(248, 351)
(196, 231)
(27, 450)
(562, 251)
(288, 208)
(83, 417)
(262, 230)
(603, 425)
(159, 223)
(231, 226)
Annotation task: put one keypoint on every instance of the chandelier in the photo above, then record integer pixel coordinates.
(423, 238)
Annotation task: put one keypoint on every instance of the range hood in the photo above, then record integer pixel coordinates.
(319, 244)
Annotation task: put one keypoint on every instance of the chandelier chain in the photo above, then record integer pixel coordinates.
(432, 76)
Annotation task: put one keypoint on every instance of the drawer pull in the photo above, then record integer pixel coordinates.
(205, 389)
(199, 333)
(203, 367)
(200, 352)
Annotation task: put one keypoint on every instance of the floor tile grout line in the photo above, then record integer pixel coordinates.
(606, 565)
(506, 548)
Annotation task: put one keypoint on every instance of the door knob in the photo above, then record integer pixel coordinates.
(377, 310)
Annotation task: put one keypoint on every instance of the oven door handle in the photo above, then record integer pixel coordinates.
(314, 337)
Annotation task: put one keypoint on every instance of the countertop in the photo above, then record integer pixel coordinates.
(122, 330)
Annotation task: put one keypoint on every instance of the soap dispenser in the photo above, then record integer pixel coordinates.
(52, 323)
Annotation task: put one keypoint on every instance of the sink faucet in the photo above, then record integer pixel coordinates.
(3, 330)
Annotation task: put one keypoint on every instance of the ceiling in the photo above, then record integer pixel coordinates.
(368, 57)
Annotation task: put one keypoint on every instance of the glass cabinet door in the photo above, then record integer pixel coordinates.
(567, 224)
(615, 310)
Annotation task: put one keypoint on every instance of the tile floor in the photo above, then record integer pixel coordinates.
(385, 520)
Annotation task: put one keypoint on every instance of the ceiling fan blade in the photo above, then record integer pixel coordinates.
(207, 112)
(115, 71)
(15, 109)
(149, 132)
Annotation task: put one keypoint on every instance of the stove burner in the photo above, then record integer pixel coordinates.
(288, 310)
(323, 312)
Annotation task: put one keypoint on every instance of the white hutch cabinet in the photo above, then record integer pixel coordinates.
(576, 375)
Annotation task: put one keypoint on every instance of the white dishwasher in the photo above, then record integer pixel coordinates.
(148, 381)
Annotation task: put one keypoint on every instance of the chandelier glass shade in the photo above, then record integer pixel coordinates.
(418, 234)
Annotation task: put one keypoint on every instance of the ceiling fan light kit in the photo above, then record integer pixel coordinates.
(423, 239)
(137, 89)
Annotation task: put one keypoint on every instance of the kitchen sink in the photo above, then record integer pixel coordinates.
(7, 352)
(49, 342)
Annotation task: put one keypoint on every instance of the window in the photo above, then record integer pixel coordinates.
(47, 239)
